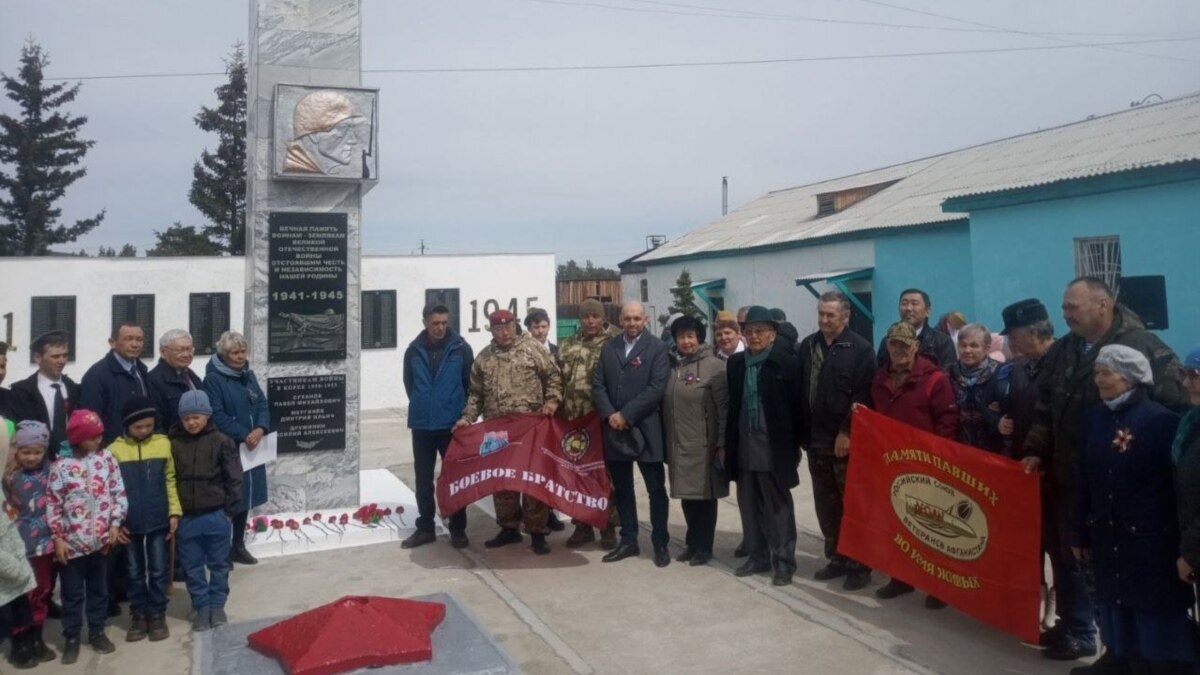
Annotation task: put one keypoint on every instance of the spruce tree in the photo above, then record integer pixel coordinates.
(684, 298)
(219, 179)
(40, 155)
(180, 239)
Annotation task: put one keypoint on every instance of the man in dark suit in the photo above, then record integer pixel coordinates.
(173, 376)
(116, 377)
(628, 387)
(914, 311)
(48, 396)
(762, 446)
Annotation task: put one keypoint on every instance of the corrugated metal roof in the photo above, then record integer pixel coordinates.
(1151, 135)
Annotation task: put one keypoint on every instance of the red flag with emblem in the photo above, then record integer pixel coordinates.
(959, 523)
(555, 461)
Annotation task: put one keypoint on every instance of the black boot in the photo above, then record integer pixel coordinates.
(238, 554)
(23, 656)
(44, 653)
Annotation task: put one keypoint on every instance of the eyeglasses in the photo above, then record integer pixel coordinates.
(183, 350)
(756, 331)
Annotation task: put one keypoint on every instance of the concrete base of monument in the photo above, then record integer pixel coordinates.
(279, 534)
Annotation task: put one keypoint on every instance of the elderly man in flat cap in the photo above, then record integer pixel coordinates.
(513, 374)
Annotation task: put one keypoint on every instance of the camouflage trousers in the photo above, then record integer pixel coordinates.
(829, 488)
(514, 508)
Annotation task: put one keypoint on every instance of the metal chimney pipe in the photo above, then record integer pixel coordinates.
(724, 195)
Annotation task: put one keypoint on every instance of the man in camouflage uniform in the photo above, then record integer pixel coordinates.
(513, 374)
(577, 358)
(1065, 391)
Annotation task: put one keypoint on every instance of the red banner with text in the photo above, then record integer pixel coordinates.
(959, 523)
(558, 462)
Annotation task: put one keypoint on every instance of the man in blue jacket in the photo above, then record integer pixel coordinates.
(437, 372)
(109, 383)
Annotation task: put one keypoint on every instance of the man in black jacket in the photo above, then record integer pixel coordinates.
(762, 446)
(113, 379)
(1065, 391)
(836, 369)
(47, 396)
(914, 311)
(173, 376)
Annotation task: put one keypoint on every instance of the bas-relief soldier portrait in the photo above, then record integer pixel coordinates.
(331, 133)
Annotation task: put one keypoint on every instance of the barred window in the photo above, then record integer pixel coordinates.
(1099, 257)
(208, 318)
(139, 310)
(53, 313)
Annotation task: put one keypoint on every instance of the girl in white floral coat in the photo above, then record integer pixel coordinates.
(87, 508)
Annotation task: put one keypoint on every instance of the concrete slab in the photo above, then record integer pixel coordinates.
(460, 647)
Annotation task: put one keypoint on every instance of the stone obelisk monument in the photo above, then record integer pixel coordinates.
(311, 155)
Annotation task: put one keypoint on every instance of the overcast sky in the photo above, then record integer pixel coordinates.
(587, 163)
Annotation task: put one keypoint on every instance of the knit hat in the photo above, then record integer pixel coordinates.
(591, 306)
(536, 314)
(137, 408)
(1193, 358)
(194, 402)
(1127, 362)
(726, 319)
(84, 425)
(902, 332)
(32, 432)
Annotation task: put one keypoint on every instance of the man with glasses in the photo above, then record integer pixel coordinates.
(173, 376)
(762, 446)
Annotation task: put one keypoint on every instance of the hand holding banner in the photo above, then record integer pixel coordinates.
(959, 523)
(560, 463)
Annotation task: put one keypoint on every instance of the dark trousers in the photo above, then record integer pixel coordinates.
(768, 520)
(1071, 599)
(655, 476)
(427, 446)
(829, 489)
(202, 544)
(701, 518)
(84, 582)
(146, 573)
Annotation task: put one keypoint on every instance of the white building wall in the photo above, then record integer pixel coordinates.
(767, 279)
(526, 279)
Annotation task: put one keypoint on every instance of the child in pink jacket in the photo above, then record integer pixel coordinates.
(86, 511)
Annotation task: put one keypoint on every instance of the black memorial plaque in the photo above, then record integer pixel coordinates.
(208, 319)
(306, 299)
(308, 412)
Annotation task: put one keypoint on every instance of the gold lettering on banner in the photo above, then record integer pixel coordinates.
(967, 583)
(926, 457)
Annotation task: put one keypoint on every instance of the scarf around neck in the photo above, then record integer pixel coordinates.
(750, 390)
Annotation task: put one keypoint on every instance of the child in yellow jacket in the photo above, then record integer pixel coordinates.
(148, 470)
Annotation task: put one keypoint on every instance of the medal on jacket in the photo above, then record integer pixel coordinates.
(1123, 439)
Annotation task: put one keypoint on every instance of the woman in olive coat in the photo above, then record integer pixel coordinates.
(694, 409)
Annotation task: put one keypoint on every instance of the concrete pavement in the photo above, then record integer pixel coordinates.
(568, 613)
